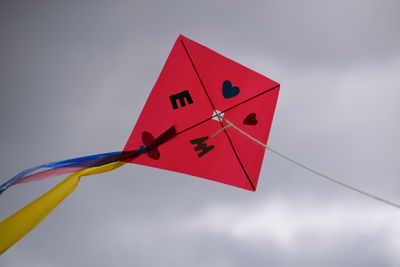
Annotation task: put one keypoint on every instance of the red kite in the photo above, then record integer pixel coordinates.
(198, 94)
(197, 87)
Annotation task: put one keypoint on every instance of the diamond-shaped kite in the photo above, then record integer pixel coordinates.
(198, 95)
(196, 89)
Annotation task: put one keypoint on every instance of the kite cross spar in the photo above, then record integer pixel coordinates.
(199, 91)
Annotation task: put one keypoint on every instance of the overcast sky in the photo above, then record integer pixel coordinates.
(74, 76)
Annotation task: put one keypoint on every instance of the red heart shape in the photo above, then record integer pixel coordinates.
(250, 119)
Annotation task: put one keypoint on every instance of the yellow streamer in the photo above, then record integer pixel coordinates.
(20, 223)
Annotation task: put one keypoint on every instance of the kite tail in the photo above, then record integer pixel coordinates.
(56, 168)
(20, 223)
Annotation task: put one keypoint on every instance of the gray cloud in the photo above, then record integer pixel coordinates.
(74, 77)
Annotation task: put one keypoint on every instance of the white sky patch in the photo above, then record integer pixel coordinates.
(281, 222)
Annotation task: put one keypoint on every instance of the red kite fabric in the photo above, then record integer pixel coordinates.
(197, 87)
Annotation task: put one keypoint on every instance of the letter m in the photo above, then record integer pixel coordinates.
(201, 146)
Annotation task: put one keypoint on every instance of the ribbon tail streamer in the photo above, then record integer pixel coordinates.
(57, 168)
(23, 221)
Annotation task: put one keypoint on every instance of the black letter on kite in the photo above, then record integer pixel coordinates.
(181, 96)
(201, 146)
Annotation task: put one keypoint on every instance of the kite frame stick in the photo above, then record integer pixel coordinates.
(306, 167)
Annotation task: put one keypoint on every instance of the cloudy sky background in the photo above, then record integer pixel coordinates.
(74, 76)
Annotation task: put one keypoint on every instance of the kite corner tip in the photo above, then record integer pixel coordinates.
(182, 37)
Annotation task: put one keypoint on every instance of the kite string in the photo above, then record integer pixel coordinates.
(306, 167)
(220, 130)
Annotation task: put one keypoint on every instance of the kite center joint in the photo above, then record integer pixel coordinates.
(217, 115)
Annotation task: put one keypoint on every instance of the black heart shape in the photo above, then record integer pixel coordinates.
(228, 90)
(250, 119)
